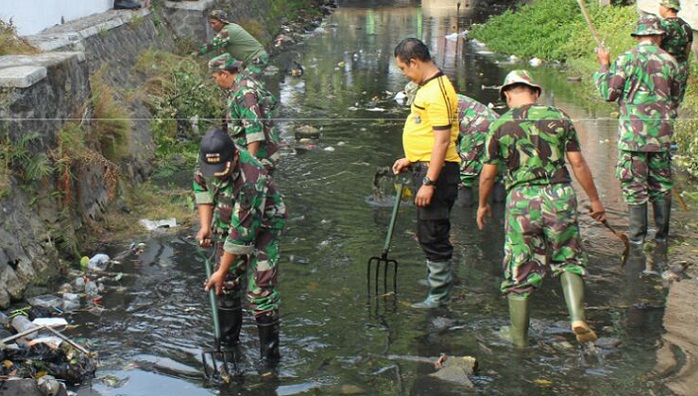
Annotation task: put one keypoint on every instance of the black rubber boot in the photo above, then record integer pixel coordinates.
(638, 223)
(230, 320)
(662, 213)
(465, 197)
(126, 5)
(268, 327)
(499, 193)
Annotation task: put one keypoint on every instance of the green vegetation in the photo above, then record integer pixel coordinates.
(183, 98)
(17, 159)
(10, 43)
(555, 30)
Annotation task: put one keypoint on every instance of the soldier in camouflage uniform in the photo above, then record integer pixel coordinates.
(677, 39)
(250, 109)
(240, 208)
(232, 39)
(475, 119)
(532, 142)
(644, 81)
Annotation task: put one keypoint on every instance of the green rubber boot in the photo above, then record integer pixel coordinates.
(440, 281)
(573, 289)
(519, 313)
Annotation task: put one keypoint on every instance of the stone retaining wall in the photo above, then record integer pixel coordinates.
(40, 93)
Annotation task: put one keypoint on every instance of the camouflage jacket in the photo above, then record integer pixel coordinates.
(249, 118)
(475, 119)
(245, 203)
(644, 82)
(677, 39)
(531, 140)
(236, 41)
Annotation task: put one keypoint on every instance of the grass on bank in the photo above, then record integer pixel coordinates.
(555, 30)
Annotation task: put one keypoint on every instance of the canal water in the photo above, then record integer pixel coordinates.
(336, 337)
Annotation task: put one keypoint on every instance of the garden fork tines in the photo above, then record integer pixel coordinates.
(383, 260)
(218, 356)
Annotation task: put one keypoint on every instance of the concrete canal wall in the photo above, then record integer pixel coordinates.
(45, 93)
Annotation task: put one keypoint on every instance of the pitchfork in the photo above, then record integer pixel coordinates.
(383, 259)
(217, 354)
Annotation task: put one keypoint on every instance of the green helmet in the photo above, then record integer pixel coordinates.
(671, 4)
(648, 25)
(518, 77)
(224, 62)
(220, 15)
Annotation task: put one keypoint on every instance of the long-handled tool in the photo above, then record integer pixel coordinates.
(217, 354)
(383, 259)
(592, 29)
(621, 236)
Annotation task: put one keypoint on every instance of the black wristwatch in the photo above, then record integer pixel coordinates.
(428, 182)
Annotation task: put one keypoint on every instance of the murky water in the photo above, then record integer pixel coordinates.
(335, 338)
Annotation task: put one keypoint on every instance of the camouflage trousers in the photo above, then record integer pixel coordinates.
(684, 70)
(644, 176)
(256, 66)
(259, 271)
(541, 230)
(471, 165)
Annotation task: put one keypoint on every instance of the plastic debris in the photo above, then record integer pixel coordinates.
(151, 225)
(98, 262)
(46, 301)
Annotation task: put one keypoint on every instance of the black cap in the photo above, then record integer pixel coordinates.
(215, 151)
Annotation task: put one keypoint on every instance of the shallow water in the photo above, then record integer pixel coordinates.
(338, 339)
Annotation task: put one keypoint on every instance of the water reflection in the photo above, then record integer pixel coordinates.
(333, 340)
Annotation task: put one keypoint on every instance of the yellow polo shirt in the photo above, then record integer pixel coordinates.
(435, 107)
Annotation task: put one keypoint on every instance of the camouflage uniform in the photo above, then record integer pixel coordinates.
(678, 37)
(237, 42)
(644, 81)
(475, 119)
(249, 118)
(249, 215)
(249, 112)
(531, 142)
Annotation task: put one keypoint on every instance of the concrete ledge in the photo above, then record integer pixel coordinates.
(70, 35)
(23, 71)
(199, 5)
(21, 76)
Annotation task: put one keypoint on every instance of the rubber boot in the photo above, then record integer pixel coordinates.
(638, 223)
(230, 320)
(499, 192)
(662, 213)
(268, 327)
(465, 197)
(573, 289)
(440, 283)
(519, 314)
(126, 5)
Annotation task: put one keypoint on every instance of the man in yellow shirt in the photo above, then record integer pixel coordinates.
(429, 141)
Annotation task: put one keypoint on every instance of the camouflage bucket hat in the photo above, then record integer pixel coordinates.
(671, 4)
(518, 77)
(224, 62)
(648, 25)
(220, 15)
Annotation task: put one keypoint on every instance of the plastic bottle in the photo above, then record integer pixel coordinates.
(79, 284)
(22, 323)
(91, 289)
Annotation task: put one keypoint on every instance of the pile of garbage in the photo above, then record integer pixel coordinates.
(36, 358)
